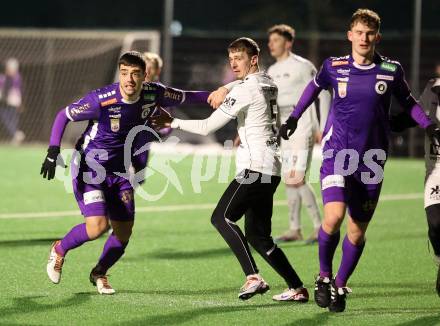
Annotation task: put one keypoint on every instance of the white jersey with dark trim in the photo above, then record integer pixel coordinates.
(253, 104)
(431, 104)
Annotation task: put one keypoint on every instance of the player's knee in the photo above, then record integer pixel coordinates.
(260, 243)
(124, 236)
(294, 179)
(217, 218)
(96, 227)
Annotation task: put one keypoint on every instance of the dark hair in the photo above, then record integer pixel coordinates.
(367, 17)
(244, 44)
(132, 58)
(284, 30)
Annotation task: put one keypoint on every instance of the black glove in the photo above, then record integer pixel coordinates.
(401, 122)
(433, 132)
(288, 128)
(50, 162)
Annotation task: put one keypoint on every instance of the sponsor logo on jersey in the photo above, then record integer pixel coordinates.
(146, 109)
(114, 109)
(229, 102)
(79, 109)
(148, 87)
(388, 66)
(381, 87)
(173, 95)
(342, 79)
(342, 89)
(339, 63)
(105, 95)
(115, 116)
(333, 180)
(344, 72)
(109, 102)
(385, 77)
(435, 193)
(150, 97)
(94, 196)
(114, 125)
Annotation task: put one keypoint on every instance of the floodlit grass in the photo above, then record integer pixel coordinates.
(178, 270)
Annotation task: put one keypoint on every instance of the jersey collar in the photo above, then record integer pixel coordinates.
(376, 59)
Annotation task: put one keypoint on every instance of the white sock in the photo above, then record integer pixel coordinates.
(309, 199)
(294, 204)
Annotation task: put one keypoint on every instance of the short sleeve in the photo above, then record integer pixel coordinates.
(238, 99)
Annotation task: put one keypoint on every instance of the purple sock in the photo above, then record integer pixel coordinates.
(113, 250)
(350, 257)
(75, 238)
(327, 247)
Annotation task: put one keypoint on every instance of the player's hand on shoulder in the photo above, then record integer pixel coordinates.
(288, 128)
(162, 120)
(216, 98)
(51, 161)
(433, 132)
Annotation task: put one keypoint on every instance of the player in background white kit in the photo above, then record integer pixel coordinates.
(291, 73)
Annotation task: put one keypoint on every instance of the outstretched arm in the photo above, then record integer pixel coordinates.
(308, 96)
(173, 97)
(86, 108)
(202, 127)
(58, 127)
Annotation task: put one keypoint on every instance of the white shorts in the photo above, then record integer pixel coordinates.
(296, 155)
(432, 188)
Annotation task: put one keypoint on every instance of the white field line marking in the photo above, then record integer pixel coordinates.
(174, 208)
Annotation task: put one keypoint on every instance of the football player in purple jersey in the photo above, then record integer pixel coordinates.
(355, 146)
(103, 195)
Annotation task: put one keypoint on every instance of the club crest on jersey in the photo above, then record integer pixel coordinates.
(146, 109)
(114, 125)
(342, 89)
(381, 87)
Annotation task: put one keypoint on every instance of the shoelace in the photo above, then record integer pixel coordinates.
(105, 283)
(59, 260)
(249, 281)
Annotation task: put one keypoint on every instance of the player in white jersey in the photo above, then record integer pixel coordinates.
(253, 103)
(291, 74)
(430, 101)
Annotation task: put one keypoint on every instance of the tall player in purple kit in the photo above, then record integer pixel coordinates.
(355, 145)
(112, 112)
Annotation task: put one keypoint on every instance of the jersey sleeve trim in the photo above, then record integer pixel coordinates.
(68, 114)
